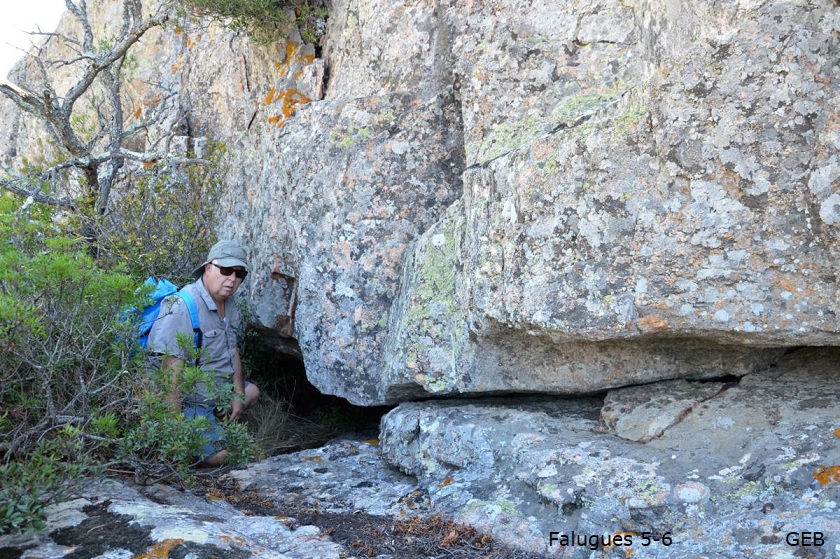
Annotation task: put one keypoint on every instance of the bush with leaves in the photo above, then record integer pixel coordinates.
(162, 220)
(265, 19)
(161, 443)
(52, 469)
(63, 354)
(63, 359)
(74, 394)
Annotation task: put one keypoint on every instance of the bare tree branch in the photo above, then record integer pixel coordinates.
(93, 154)
(124, 42)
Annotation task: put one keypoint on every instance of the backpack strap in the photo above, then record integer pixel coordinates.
(198, 336)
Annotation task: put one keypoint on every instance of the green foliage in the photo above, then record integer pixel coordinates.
(242, 449)
(52, 469)
(265, 20)
(160, 434)
(59, 337)
(74, 392)
(62, 354)
(161, 221)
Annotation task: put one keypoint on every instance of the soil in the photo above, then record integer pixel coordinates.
(100, 532)
(366, 535)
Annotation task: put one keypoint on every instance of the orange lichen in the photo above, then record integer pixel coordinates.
(292, 55)
(444, 483)
(137, 113)
(160, 550)
(837, 433)
(372, 442)
(283, 66)
(233, 540)
(178, 30)
(290, 98)
(269, 99)
(648, 323)
(410, 499)
(827, 474)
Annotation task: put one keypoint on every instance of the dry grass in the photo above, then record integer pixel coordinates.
(277, 430)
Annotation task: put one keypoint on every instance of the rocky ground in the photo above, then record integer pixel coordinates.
(227, 516)
(728, 469)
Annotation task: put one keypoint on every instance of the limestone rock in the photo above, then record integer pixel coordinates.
(345, 186)
(343, 476)
(643, 413)
(628, 212)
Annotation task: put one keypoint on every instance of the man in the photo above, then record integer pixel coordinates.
(217, 279)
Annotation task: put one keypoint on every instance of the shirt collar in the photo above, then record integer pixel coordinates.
(205, 295)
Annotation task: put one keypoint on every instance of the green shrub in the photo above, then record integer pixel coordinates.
(63, 353)
(265, 20)
(161, 221)
(162, 440)
(53, 468)
(75, 394)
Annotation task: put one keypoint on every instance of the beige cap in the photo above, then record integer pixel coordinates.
(227, 253)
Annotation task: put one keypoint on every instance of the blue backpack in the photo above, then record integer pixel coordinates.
(158, 291)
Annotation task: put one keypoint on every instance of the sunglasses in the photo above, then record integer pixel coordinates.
(225, 271)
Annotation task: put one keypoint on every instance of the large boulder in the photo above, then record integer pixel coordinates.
(648, 193)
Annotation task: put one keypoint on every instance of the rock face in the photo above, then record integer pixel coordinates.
(489, 197)
(563, 199)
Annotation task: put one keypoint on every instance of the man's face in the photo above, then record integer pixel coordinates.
(219, 286)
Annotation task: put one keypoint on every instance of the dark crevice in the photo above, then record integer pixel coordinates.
(727, 380)
(325, 82)
(795, 349)
(311, 418)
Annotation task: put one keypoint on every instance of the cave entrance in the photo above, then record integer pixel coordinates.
(292, 414)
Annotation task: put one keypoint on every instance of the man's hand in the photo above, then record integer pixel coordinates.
(237, 406)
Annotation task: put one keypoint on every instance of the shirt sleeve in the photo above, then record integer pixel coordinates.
(174, 318)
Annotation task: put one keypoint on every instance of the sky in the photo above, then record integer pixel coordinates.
(19, 16)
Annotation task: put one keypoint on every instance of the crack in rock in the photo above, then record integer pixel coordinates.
(644, 413)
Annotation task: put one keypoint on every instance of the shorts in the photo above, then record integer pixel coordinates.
(214, 434)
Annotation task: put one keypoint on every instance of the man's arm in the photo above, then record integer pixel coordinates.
(173, 321)
(238, 403)
(172, 366)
